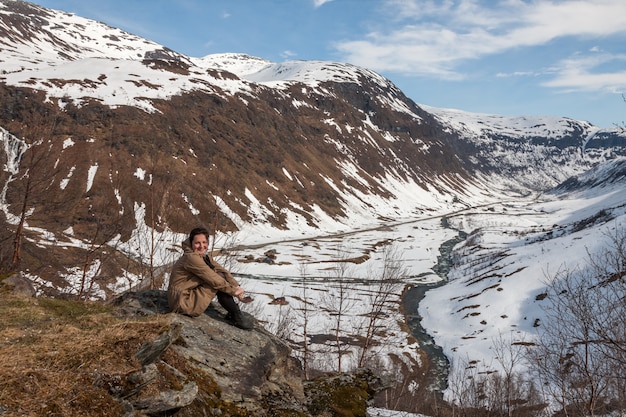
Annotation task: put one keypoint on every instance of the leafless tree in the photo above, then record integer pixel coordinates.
(338, 303)
(101, 247)
(385, 283)
(610, 269)
(14, 149)
(465, 387)
(501, 388)
(511, 391)
(35, 162)
(567, 348)
(228, 253)
(305, 315)
(282, 326)
(37, 174)
(582, 340)
(508, 355)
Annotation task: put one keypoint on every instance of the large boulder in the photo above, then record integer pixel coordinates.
(217, 365)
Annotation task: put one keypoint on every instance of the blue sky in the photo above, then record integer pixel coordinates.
(512, 57)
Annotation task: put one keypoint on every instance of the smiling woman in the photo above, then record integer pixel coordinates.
(196, 279)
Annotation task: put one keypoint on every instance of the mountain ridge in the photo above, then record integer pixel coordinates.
(148, 139)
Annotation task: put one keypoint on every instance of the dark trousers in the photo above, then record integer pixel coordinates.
(228, 302)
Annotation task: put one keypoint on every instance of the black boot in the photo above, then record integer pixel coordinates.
(234, 316)
(242, 321)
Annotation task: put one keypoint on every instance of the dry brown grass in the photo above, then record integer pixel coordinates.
(58, 357)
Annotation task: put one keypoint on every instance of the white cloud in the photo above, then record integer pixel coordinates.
(516, 74)
(287, 54)
(434, 38)
(583, 73)
(320, 3)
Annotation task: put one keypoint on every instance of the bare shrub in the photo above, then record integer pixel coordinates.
(580, 351)
(384, 284)
(337, 303)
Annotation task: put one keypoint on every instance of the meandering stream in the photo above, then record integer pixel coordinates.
(438, 372)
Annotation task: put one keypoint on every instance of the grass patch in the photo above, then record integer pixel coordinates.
(54, 354)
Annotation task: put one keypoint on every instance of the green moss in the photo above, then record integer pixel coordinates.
(344, 395)
(37, 313)
(274, 404)
(66, 309)
(286, 413)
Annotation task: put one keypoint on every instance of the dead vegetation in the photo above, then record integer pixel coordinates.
(57, 357)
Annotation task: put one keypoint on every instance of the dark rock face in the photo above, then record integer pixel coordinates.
(249, 366)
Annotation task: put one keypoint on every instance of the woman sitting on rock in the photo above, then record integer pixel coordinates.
(196, 279)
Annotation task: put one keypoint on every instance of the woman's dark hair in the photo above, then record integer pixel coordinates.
(198, 231)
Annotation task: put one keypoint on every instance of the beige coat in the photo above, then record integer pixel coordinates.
(193, 284)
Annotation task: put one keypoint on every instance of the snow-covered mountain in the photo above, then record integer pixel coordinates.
(114, 146)
(103, 122)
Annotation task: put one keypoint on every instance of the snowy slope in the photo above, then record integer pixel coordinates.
(505, 263)
(481, 125)
(62, 37)
(97, 61)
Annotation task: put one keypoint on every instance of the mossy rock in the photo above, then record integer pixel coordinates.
(344, 395)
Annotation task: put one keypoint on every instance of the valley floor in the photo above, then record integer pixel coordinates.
(497, 274)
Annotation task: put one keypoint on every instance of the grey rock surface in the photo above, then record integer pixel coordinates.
(253, 368)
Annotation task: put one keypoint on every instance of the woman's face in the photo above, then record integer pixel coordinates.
(200, 244)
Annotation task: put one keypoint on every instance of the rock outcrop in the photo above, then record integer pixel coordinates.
(18, 284)
(205, 366)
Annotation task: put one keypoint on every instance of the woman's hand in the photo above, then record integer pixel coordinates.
(239, 292)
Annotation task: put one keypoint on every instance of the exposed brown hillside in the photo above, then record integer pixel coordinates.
(199, 146)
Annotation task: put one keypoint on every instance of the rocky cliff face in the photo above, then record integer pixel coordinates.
(218, 369)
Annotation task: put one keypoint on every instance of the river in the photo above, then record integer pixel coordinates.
(439, 364)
